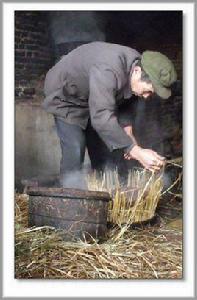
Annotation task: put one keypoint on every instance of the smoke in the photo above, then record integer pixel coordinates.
(75, 26)
(75, 180)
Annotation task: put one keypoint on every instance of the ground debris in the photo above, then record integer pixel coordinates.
(144, 252)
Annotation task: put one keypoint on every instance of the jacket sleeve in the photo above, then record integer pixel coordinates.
(103, 86)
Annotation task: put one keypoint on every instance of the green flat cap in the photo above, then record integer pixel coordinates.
(161, 72)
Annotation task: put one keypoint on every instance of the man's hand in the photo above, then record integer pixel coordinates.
(147, 157)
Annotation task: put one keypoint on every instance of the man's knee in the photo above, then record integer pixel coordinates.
(72, 141)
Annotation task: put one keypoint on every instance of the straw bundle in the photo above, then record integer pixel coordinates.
(135, 202)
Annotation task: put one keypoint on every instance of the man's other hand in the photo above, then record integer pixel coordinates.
(149, 159)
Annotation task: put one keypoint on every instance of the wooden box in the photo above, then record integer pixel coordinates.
(80, 214)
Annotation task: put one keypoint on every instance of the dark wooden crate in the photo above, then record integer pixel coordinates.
(80, 214)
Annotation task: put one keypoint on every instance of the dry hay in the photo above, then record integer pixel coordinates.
(146, 252)
(40, 253)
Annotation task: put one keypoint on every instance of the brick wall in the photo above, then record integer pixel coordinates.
(33, 51)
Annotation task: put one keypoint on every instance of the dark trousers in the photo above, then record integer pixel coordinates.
(73, 141)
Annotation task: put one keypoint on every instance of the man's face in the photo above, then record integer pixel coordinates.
(140, 88)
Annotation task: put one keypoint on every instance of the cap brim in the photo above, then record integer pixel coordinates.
(162, 92)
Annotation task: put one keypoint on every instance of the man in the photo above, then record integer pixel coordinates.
(85, 88)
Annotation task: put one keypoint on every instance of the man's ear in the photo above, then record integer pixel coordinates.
(137, 70)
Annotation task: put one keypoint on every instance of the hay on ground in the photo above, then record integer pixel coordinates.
(147, 252)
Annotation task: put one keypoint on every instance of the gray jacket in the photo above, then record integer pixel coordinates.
(89, 82)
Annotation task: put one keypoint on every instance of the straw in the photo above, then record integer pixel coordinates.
(143, 252)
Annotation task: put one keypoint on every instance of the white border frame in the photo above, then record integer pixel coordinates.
(92, 288)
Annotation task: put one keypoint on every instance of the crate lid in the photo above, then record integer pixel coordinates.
(69, 193)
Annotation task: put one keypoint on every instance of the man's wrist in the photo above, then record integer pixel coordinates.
(135, 151)
(129, 148)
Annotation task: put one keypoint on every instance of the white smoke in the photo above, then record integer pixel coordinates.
(75, 180)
